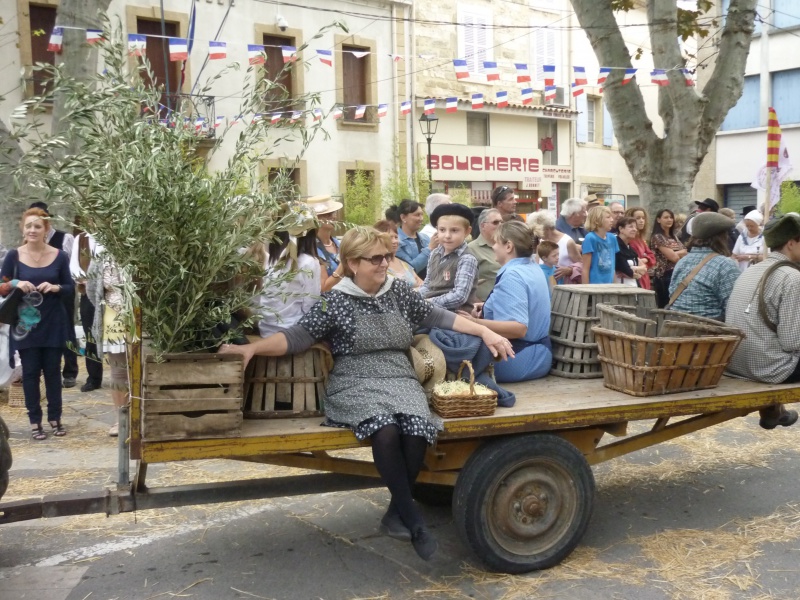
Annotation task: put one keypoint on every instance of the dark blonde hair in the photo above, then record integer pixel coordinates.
(36, 212)
(545, 248)
(357, 241)
(631, 212)
(519, 235)
(595, 217)
(386, 226)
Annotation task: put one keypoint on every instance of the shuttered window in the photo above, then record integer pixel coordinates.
(43, 18)
(475, 37)
(591, 111)
(477, 129)
(786, 13)
(608, 127)
(546, 50)
(166, 74)
(277, 98)
(785, 94)
(582, 125)
(744, 115)
(355, 72)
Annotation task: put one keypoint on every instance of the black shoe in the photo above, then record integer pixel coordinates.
(69, 382)
(424, 543)
(90, 387)
(787, 418)
(393, 526)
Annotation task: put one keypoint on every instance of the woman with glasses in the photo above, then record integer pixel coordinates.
(369, 321)
(42, 330)
(398, 268)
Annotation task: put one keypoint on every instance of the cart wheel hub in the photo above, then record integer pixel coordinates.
(528, 504)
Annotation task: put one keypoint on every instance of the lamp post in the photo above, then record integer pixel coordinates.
(428, 124)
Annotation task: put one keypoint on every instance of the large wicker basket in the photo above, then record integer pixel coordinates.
(16, 397)
(649, 352)
(480, 402)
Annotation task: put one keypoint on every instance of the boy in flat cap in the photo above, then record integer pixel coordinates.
(765, 304)
(452, 275)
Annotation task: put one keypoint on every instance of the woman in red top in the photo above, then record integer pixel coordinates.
(639, 244)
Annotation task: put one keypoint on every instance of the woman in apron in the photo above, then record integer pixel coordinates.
(369, 320)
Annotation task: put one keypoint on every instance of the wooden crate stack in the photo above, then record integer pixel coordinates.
(192, 396)
(573, 313)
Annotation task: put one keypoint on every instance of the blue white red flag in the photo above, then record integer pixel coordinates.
(178, 49)
(659, 77)
(217, 50)
(460, 65)
(477, 101)
(255, 54)
(687, 74)
(451, 105)
(549, 93)
(523, 74)
(429, 106)
(317, 114)
(361, 111)
(492, 74)
(93, 36)
(325, 57)
(289, 53)
(137, 44)
(527, 95)
(275, 118)
(549, 75)
(604, 73)
(218, 121)
(383, 109)
(56, 43)
(405, 107)
(629, 74)
(502, 99)
(337, 112)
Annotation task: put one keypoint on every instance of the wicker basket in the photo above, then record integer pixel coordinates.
(649, 352)
(466, 405)
(16, 396)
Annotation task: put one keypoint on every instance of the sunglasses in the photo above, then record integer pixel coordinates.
(378, 259)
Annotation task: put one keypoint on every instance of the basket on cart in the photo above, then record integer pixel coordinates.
(453, 399)
(651, 351)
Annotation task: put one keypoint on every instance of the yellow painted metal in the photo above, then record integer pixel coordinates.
(585, 440)
(656, 436)
(135, 375)
(446, 456)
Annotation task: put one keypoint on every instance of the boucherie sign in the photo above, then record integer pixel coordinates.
(482, 163)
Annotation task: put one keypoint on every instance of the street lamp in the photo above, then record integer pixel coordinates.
(428, 124)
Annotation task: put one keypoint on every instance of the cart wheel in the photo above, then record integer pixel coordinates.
(5, 457)
(433, 494)
(523, 503)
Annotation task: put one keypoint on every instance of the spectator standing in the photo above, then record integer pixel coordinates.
(629, 271)
(326, 210)
(413, 247)
(482, 249)
(431, 202)
(749, 247)
(703, 279)
(617, 211)
(600, 247)
(668, 250)
(543, 225)
(707, 205)
(86, 250)
(639, 244)
(572, 219)
(398, 268)
(504, 200)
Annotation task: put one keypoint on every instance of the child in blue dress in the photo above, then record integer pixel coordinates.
(600, 247)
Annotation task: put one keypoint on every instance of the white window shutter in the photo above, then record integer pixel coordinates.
(608, 127)
(582, 126)
(539, 53)
(474, 37)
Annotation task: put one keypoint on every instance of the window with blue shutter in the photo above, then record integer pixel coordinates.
(582, 126)
(786, 13)
(608, 128)
(744, 115)
(785, 94)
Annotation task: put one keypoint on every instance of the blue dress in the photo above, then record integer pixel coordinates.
(521, 294)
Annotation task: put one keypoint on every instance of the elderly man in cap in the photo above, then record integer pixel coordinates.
(702, 206)
(573, 218)
(703, 279)
(764, 304)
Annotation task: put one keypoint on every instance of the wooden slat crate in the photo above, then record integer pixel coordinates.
(287, 386)
(574, 313)
(191, 396)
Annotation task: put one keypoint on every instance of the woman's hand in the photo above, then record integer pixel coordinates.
(499, 346)
(434, 243)
(644, 262)
(246, 351)
(477, 309)
(565, 272)
(26, 286)
(48, 288)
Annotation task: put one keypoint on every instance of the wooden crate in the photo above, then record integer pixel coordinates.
(287, 386)
(190, 396)
(574, 313)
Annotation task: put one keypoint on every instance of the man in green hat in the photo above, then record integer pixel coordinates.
(764, 304)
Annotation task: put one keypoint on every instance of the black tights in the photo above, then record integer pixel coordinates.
(399, 459)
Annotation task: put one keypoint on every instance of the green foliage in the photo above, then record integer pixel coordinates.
(175, 229)
(461, 195)
(790, 198)
(689, 22)
(362, 198)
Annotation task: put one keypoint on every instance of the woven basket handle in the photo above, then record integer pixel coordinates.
(466, 363)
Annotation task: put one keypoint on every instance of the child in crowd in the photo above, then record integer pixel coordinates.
(548, 259)
(452, 274)
(600, 247)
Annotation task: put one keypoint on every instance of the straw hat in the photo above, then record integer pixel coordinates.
(300, 219)
(323, 205)
(428, 362)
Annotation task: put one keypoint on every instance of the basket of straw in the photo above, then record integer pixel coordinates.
(452, 399)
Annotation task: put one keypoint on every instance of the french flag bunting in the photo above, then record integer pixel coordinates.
(256, 118)
(580, 75)
(198, 123)
(405, 107)
(577, 90)
(527, 95)
(359, 53)
(477, 101)
(549, 75)
(275, 118)
(295, 116)
(255, 54)
(361, 111)
(289, 53)
(137, 44)
(396, 57)
(549, 93)
(337, 113)
(460, 65)
(93, 36)
(218, 121)
(236, 119)
(629, 74)
(383, 109)
(429, 106)
(492, 74)
(502, 99)
(325, 57)
(523, 75)
(178, 49)
(659, 77)
(217, 50)
(687, 74)
(163, 122)
(451, 105)
(56, 42)
(317, 114)
(604, 73)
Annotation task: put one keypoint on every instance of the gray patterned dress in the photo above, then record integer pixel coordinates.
(372, 383)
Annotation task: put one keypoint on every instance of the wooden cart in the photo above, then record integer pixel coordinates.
(521, 481)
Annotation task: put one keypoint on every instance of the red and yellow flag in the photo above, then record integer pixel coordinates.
(773, 139)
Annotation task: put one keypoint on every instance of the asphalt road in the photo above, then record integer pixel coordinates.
(714, 515)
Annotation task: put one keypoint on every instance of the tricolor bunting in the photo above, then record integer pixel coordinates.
(523, 75)
(687, 74)
(396, 57)
(527, 95)
(217, 50)
(289, 54)
(361, 111)
(429, 106)
(492, 74)
(256, 118)
(359, 53)
(502, 99)
(178, 49)
(549, 75)
(580, 83)
(93, 36)
(602, 75)
(218, 121)
(198, 123)
(295, 116)
(405, 107)
(56, 43)
(383, 110)
(255, 54)
(460, 66)
(451, 105)
(773, 139)
(317, 114)
(137, 44)
(477, 101)
(337, 112)
(275, 118)
(659, 77)
(325, 57)
(629, 75)
(549, 93)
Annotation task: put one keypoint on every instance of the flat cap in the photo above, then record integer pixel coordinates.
(707, 225)
(779, 231)
(452, 209)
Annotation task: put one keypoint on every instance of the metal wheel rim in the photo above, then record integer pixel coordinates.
(531, 506)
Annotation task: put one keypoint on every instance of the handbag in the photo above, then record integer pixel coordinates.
(9, 309)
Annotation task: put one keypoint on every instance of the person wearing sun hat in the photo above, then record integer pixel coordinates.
(327, 246)
(765, 304)
(703, 279)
